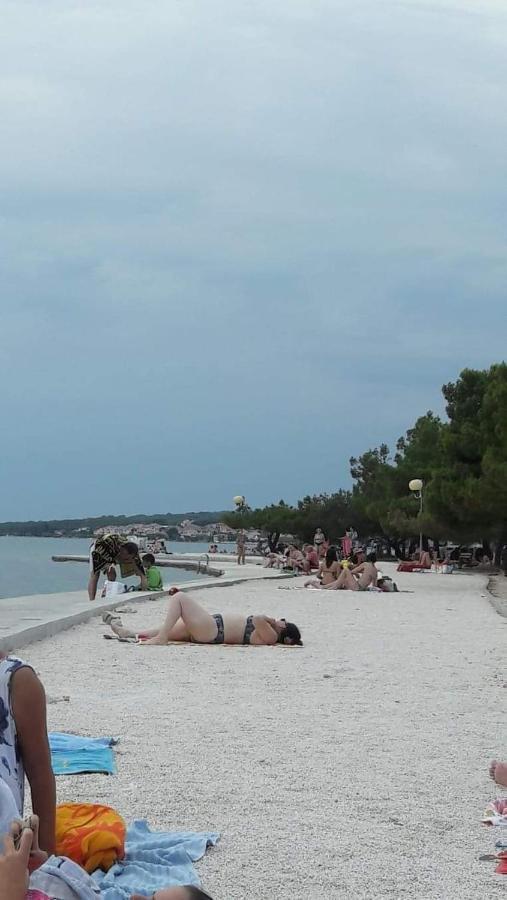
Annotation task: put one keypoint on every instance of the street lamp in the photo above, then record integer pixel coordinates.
(240, 503)
(417, 487)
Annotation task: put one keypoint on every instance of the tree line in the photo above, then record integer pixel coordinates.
(461, 460)
(87, 526)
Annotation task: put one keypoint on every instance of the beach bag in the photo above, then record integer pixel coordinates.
(93, 836)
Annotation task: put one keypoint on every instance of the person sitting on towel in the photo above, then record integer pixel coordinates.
(153, 575)
(24, 744)
(24, 867)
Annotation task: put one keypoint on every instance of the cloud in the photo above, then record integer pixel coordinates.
(239, 243)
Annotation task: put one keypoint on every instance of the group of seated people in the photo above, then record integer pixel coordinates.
(29, 868)
(333, 571)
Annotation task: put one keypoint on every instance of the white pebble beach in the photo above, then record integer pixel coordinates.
(354, 767)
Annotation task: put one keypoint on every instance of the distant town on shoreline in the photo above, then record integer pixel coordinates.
(189, 526)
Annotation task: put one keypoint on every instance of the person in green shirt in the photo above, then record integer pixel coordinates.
(153, 575)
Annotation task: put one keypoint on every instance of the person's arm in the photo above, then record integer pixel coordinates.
(92, 585)
(143, 585)
(358, 569)
(29, 710)
(264, 627)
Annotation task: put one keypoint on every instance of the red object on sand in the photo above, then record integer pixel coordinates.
(411, 567)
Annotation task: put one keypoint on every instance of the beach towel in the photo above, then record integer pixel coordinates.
(154, 860)
(72, 754)
(62, 878)
(91, 835)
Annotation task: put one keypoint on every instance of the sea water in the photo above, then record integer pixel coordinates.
(26, 566)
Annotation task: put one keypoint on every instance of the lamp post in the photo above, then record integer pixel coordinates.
(240, 503)
(417, 488)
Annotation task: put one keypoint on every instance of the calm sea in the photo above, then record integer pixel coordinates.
(26, 566)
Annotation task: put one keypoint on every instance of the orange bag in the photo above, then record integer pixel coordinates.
(93, 836)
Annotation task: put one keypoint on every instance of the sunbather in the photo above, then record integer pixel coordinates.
(15, 881)
(187, 622)
(328, 572)
(359, 578)
(498, 772)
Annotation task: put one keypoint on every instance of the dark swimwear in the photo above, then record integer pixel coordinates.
(220, 631)
(249, 629)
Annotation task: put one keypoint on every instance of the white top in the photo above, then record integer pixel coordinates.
(11, 764)
(8, 809)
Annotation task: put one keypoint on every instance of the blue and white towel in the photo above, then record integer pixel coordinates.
(72, 754)
(154, 860)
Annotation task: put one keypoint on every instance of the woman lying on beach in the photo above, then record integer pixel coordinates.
(187, 622)
(17, 855)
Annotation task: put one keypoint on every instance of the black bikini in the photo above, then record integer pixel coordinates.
(249, 629)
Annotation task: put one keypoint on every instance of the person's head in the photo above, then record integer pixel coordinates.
(180, 892)
(371, 558)
(289, 634)
(128, 551)
(331, 556)
(111, 573)
(148, 560)
(354, 559)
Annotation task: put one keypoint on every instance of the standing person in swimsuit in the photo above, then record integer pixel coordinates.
(187, 622)
(357, 579)
(329, 570)
(319, 540)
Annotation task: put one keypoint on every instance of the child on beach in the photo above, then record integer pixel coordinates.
(153, 575)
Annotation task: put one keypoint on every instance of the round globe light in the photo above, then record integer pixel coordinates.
(415, 485)
(238, 501)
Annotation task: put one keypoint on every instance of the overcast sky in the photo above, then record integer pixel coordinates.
(240, 241)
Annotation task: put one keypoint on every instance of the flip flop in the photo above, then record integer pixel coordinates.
(122, 640)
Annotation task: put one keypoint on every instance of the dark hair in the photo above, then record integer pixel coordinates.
(195, 893)
(131, 548)
(371, 557)
(292, 632)
(354, 559)
(331, 556)
(149, 558)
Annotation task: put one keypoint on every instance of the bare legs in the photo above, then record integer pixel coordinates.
(498, 772)
(200, 624)
(344, 582)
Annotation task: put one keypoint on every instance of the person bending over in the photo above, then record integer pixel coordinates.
(24, 744)
(187, 622)
(112, 549)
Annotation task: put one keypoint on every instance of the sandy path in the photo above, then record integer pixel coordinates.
(306, 760)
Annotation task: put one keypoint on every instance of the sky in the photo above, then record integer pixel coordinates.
(239, 242)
